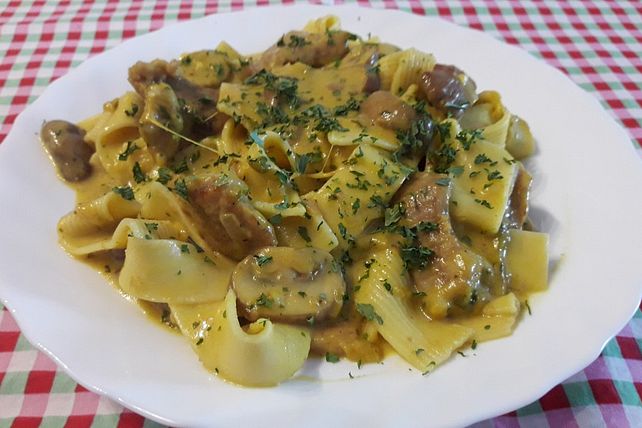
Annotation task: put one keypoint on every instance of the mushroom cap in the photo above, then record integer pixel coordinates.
(289, 284)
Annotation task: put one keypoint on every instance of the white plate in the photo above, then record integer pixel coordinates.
(586, 194)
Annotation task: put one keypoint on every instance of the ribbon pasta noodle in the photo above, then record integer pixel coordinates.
(329, 196)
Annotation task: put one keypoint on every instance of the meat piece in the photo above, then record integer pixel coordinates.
(454, 274)
(66, 145)
(233, 226)
(314, 49)
(387, 110)
(143, 74)
(449, 88)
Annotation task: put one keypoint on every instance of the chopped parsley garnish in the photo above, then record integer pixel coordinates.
(387, 286)
(484, 203)
(265, 301)
(151, 227)
(131, 148)
(262, 260)
(416, 256)
(468, 137)
(139, 175)
(276, 219)
(331, 358)
(303, 232)
(327, 124)
(164, 175)
(394, 214)
(302, 161)
(133, 111)
(413, 140)
(482, 158)
(125, 192)
(368, 312)
(443, 182)
(284, 87)
(351, 105)
(356, 205)
(296, 41)
(181, 189)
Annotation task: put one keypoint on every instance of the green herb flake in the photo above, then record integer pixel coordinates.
(303, 232)
(137, 172)
(131, 148)
(265, 301)
(181, 189)
(368, 312)
(164, 175)
(133, 111)
(125, 192)
(331, 358)
(262, 260)
(484, 203)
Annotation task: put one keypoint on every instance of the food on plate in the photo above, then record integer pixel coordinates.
(332, 195)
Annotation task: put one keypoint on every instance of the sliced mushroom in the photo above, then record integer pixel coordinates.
(449, 88)
(66, 145)
(232, 225)
(387, 110)
(161, 106)
(289, 284)
(197, 103)
(454, 276)
(519, 141)
(314, 49)
(373, 81)
(517, 210)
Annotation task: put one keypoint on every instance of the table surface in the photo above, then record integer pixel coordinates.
(598, 44)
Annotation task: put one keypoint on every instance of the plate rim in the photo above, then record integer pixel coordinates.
(591, 100)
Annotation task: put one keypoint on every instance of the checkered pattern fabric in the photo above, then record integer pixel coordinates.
(598, 44)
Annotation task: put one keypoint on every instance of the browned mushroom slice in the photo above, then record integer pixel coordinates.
(373, 80)
(455, 272)
(519, 140)
(161, 107)
(449, 88)
(289, 284)
(233, 226)
(517, 210)
(197, 101)
(66, 145)
(314, 49)
(387, 110)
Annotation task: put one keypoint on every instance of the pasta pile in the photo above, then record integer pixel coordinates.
(331, 195)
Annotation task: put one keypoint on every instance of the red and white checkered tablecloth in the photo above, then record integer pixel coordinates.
(597, 43)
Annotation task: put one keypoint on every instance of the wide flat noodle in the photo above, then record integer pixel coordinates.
(170, 271)
(383, 296)
(261, 354)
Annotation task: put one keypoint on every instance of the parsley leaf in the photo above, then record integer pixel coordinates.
(125, 192)
(262, 260)
(368, 312)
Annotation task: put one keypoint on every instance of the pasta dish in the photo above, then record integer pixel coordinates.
(333, 196)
